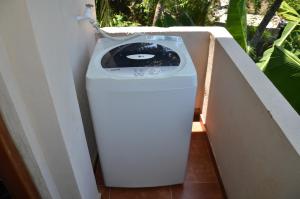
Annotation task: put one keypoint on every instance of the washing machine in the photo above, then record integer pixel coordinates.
(141, 94)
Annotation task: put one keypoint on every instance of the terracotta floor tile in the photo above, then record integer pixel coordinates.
(199, 144)
(197, 191)
(200, 171)
(141, 193)
(200, 166)
(199, 135)
(199, 148)
(104, 192)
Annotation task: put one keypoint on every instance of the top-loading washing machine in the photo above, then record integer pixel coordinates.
(142, 94)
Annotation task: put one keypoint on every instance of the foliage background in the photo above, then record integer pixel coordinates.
(277, 54)
(141, 12)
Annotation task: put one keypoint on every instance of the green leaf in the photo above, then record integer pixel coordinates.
(236, 22)
(103, 11)
(283, 69)
(288, 12)
(263, 62)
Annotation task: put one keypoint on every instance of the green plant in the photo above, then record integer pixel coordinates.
(282, 67)
(257, 38)
(141, 12)
(278, 63)
(295, 4)
(268, 38)
(236, 22)
(103, 13)
(281, 62)
(263, 63)
(292, 43)
(197, 10)
(183, 12)
(254, 6)
(120, 20)
(257, 4)
(289, 13)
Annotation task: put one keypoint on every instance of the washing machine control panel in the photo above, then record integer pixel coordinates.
(148, 71)
(141, 59)
(141, 71)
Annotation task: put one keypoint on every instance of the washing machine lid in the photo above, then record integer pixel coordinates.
(140, 54)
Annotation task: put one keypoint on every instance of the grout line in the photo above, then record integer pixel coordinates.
(170, 188)
(201, 182)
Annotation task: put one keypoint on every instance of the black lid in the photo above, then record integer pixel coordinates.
(140, 55)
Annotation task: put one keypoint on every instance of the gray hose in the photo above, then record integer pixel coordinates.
(106, 35)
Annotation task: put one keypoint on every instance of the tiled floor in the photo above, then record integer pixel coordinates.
(201, 181)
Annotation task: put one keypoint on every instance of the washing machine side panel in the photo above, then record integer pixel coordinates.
(143, 136)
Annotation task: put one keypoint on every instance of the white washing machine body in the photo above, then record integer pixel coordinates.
(142, 94)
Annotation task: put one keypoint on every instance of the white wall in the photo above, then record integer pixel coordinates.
(14, 113)
(253, 130)
(38, 97)
(80, 43)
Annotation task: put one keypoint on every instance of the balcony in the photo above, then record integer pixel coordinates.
(253, 132)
